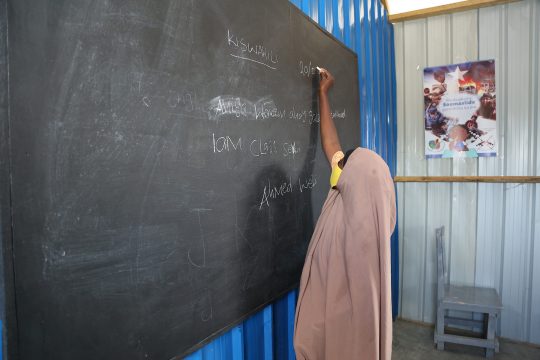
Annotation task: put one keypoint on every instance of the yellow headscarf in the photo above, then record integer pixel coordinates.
(334, 177)
(336, 170)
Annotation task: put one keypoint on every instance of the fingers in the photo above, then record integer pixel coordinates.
(326, 80)
(323, 72)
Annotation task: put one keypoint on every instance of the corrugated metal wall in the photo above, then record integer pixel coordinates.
(363, 27)
(493, 230)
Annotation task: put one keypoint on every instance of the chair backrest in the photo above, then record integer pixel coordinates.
(441, 263)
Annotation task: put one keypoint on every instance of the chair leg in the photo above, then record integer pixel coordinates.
(492, 321)
(440, 327)
(485, 328)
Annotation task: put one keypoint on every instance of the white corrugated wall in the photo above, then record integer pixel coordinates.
(493, 230)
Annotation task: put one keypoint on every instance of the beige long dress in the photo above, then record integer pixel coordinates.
(344, 306)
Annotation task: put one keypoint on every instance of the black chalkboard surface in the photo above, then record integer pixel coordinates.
(166, 167)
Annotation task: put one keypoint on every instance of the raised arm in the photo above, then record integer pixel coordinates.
(329, 136)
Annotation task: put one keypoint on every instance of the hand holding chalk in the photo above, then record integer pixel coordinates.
(326, 80)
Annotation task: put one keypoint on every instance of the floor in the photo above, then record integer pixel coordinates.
(415, 341)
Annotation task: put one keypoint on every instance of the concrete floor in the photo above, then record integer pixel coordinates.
(415, 342)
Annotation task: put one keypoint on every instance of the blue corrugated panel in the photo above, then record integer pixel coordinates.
(392, 162)
(284, 310)
(362, 26)
(346, 21)
(321, 12)
(335, 17)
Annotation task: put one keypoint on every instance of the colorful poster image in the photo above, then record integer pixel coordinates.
(460, 110)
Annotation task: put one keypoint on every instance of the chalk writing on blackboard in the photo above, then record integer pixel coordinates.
(241, 108)
(204, 306)
(225, 143)
(257, 147)
(202, 262)
(262, 109)
(274, 191)
(291, 149)
(256, 53)
(307, 69)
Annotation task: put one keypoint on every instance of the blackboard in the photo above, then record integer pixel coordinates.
(5, 211)
(166, 167)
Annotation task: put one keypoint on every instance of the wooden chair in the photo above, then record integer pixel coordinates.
(464, 298)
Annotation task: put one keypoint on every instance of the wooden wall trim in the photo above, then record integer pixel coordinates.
(445, 9)
(481, 179)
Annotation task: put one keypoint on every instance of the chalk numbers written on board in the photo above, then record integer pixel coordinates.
(307, 69)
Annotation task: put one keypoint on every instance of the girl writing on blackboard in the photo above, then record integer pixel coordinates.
(344, 302)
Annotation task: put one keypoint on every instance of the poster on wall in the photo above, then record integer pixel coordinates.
(460, 110)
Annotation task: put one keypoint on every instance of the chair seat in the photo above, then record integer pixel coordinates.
(471, 298)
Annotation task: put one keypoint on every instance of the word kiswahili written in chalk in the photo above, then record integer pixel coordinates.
(256, 53)
(274, 191)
